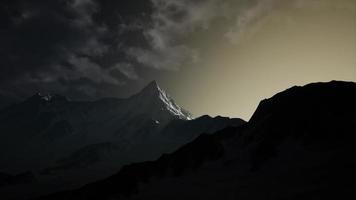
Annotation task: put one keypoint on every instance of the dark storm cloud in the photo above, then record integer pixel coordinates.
(95, 48)
(171, 21)
(175, 20)
(49, 45)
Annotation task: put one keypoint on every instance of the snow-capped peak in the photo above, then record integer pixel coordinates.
(151, 89)
(172, 106)
(154, 91)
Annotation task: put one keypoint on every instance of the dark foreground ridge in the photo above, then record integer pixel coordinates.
(299, 144)
(187, 159)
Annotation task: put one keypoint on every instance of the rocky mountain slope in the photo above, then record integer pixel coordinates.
(299, 144)
(69, 143)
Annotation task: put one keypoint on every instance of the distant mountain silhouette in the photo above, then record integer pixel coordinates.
(299, 144)
(69, 143)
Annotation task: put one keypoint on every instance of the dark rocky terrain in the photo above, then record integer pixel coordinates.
(22, 178)
(299, 144)
(66, 144)
(6, 101)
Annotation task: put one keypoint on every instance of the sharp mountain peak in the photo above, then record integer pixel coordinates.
(151, 88)
(150, 98)
(153, 92)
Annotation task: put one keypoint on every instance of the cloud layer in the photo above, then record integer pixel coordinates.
(95, 48)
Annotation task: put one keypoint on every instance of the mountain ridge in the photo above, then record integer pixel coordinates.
(76, 142)
(299, 144)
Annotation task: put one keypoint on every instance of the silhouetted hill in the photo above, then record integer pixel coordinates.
(299, 144)
(21, 178)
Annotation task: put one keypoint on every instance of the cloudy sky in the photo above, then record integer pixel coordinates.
(217, 57)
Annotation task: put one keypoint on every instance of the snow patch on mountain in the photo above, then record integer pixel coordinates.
(171, 106)
(153, 97)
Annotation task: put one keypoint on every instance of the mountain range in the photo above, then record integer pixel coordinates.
(299, 144)
(61, 144)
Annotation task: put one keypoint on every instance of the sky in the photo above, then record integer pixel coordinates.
(216, 57)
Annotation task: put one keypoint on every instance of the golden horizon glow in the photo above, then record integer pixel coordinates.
(291, 45)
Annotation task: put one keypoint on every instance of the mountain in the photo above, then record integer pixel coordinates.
(67, 143)
(152, 99)
(22, 178)
(299, 144)
(6, 101)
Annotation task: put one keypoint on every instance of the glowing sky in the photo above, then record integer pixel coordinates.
(291, 43)
(216, 57)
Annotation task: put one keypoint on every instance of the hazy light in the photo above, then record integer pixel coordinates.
(295, 44)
